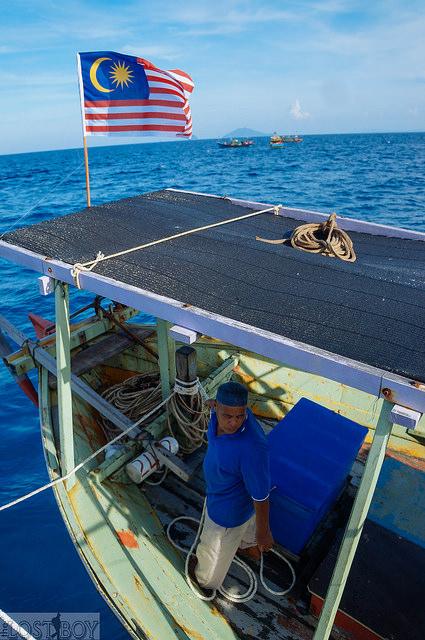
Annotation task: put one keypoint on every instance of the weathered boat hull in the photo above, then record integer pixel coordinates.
(118, 528)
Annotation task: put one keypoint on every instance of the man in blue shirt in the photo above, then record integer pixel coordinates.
(236, 469)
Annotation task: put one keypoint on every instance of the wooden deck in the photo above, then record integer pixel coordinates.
(265, 616)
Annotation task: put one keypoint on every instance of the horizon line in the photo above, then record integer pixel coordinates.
(199, 139)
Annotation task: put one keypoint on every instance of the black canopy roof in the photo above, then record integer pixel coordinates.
(371, 310)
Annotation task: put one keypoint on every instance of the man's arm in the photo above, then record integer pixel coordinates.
(263, 534)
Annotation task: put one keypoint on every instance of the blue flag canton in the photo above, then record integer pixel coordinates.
(108, 75)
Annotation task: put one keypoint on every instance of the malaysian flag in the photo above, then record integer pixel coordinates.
(125, 95)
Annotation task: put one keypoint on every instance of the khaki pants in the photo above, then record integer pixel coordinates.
(217, 548)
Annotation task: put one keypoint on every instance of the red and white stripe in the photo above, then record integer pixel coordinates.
(166, 112)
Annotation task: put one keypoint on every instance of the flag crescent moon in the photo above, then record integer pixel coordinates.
(93, 78)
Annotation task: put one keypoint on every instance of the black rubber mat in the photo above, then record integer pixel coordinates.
(371, 310)
(385, 586)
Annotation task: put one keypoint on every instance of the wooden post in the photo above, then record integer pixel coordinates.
(63, 363)
(163, 354)
(355, 524)
(86, 164)
(172, 359)
(186, 367)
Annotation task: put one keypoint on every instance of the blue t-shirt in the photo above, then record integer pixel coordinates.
(236, 469)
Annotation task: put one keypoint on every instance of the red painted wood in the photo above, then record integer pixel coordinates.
(355, 629)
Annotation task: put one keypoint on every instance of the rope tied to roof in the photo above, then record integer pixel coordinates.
(320, 237)
(88, 266)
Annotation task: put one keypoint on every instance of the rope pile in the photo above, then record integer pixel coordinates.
(323, 237)
(188, 415)
(135, 397)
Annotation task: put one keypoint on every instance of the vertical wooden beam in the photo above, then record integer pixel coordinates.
(172, 357)
(355, 524)
(163, 354)
(186, 365)
(63, 363)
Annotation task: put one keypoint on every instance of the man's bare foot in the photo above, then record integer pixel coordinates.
(251, 553)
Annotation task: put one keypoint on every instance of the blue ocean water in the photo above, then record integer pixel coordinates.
(376, 177)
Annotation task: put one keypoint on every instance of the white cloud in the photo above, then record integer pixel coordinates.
(296, 112)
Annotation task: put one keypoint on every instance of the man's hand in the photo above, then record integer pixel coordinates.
(263, 534)
(264, 540)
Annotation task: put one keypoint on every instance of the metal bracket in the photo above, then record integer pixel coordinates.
(46, 285)
(181, 334)
(171, 461)
(405, 417)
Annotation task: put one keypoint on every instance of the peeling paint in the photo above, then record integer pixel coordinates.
(294, 625)
(128, 539)
(191, 633)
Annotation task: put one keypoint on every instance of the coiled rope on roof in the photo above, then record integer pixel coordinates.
(100, 257)
(320, 237)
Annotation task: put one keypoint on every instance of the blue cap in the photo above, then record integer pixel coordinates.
(232, 394)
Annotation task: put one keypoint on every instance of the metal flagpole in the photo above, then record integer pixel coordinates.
(86, 153)
(86, 164)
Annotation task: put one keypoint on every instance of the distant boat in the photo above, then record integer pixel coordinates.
(292, 139)
(277, 140)
(235, 142)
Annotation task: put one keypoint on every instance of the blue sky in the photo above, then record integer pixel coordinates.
(328, 66)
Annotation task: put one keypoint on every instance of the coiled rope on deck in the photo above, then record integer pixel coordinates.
(88, 266)
(252, 578)
(320, 237)
(191, 414)
(187, 411)
(135, 397)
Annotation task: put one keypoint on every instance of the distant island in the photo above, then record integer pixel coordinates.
(244, 132)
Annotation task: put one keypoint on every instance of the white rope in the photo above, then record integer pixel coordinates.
(187, 388)
(100, 257)
(90, 457)
(253, 582)
(134, 397)
(15, 626)
(187, 412)
(190, 413)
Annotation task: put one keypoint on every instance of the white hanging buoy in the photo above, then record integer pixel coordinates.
(147, 463)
